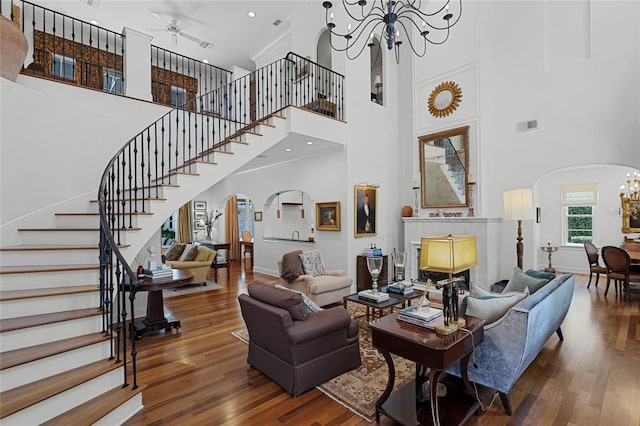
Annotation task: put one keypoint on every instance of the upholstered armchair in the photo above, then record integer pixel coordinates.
(295, 348)
(199, 266)
(322, 286)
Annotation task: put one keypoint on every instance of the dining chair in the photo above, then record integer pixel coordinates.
(246, 248)
(594, 263)
(618, 263)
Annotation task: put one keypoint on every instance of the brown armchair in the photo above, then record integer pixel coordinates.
(296, 349)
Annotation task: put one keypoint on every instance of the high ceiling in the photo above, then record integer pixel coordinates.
(235, 36)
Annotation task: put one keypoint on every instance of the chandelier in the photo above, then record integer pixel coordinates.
(630, 193)
(390, 17)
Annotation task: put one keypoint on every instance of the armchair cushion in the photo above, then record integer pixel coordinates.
(175, 251)
(289, 300)
(291, 266)
(190, 252)
(311, 306)
(491, 307)
(312, 263)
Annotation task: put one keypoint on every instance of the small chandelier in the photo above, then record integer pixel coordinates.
(391, 16)
(631, 194)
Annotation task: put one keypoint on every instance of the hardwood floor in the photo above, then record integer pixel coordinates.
(199, 375)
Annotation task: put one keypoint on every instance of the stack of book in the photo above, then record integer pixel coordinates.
(428, 318)
(372, 252)
(400, 287)
(158, 273)
(374, 297)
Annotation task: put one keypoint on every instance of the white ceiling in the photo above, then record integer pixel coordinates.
(235, 36)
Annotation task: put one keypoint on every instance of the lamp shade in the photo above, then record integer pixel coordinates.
(377, 81)
(448, 253)
(518, 204)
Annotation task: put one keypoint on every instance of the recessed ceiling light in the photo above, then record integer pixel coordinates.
(309, 143)
(205, 61)
(288, 150)
(94, 22)
(251, 14)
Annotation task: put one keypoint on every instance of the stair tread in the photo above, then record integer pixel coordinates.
(26, 269)
(21, 356)
(44, 247)
(74, 229)
(140, 199)
(98, 214)
(46, 292)
(95, 409)
(16, 399)
(11, 324)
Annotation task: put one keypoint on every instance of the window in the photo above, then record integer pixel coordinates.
(178, 96)
(63, 67)
(245, 216)
(579, 207)
(112, 81)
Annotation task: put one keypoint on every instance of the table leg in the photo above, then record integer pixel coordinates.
(155, 308)
(392, 377)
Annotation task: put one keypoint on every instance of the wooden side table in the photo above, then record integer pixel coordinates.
(156, 318)
(426, 349)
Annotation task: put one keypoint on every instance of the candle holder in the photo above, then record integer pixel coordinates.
(549, 249)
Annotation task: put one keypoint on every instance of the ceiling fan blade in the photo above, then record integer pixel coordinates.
(201, 43)
(174, 39)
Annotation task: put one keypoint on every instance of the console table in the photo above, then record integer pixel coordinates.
(426, 349)
(156, 319)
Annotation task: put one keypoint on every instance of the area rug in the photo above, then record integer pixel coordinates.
(359, 389)
(190, 289)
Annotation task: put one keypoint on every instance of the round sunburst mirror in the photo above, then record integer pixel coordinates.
(444, 99)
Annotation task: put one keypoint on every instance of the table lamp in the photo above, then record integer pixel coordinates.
(449, 254)
(518, 205)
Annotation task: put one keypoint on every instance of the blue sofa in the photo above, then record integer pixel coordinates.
(512, 342)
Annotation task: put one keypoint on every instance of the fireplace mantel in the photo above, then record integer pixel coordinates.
(486, 230)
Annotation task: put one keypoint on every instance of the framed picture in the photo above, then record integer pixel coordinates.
(257, 216)
(197, 226)
(328, 216)
(200, 205)
(197, 215)
(630, 216)
(366, 202)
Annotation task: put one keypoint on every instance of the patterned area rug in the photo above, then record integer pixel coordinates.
(190, 289)
(359, 389)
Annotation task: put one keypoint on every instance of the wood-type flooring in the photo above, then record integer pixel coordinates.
(199, 376)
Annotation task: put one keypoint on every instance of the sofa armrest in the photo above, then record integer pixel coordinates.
(319, 324)
(188, 265)
(336, 273)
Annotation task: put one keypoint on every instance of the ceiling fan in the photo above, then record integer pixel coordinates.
(175, 27)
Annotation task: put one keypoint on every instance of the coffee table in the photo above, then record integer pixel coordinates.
(372, 306)
(406, 298)
(426, 349)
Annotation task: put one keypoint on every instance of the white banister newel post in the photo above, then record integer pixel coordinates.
(137, 64)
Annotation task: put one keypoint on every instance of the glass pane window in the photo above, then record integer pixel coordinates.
(178, 96)
(245, 216)
(63, 67)
(112, 81)
(579, 224)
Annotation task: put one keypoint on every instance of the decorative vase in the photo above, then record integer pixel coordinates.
(13, 49)
(407, 211)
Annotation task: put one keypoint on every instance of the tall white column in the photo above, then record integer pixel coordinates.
(137, 64)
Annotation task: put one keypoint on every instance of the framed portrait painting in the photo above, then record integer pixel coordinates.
(200, 205)
(630, 216)
(257, 216)
(328, 216)
(366, 203)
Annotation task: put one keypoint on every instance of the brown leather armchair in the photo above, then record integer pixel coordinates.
(296, 349)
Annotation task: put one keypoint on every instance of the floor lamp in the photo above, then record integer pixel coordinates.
(449, 254)
(518, 205)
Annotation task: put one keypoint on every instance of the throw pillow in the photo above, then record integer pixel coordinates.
(291, 266)
(539, 274)
(189, 254)
(312, 307)
(312, 263)
(519, 280)
(289, 300)
(490, 308)
(175, 251)
(476, 290)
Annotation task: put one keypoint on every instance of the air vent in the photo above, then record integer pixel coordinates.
(277, 22)
(525, 126)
